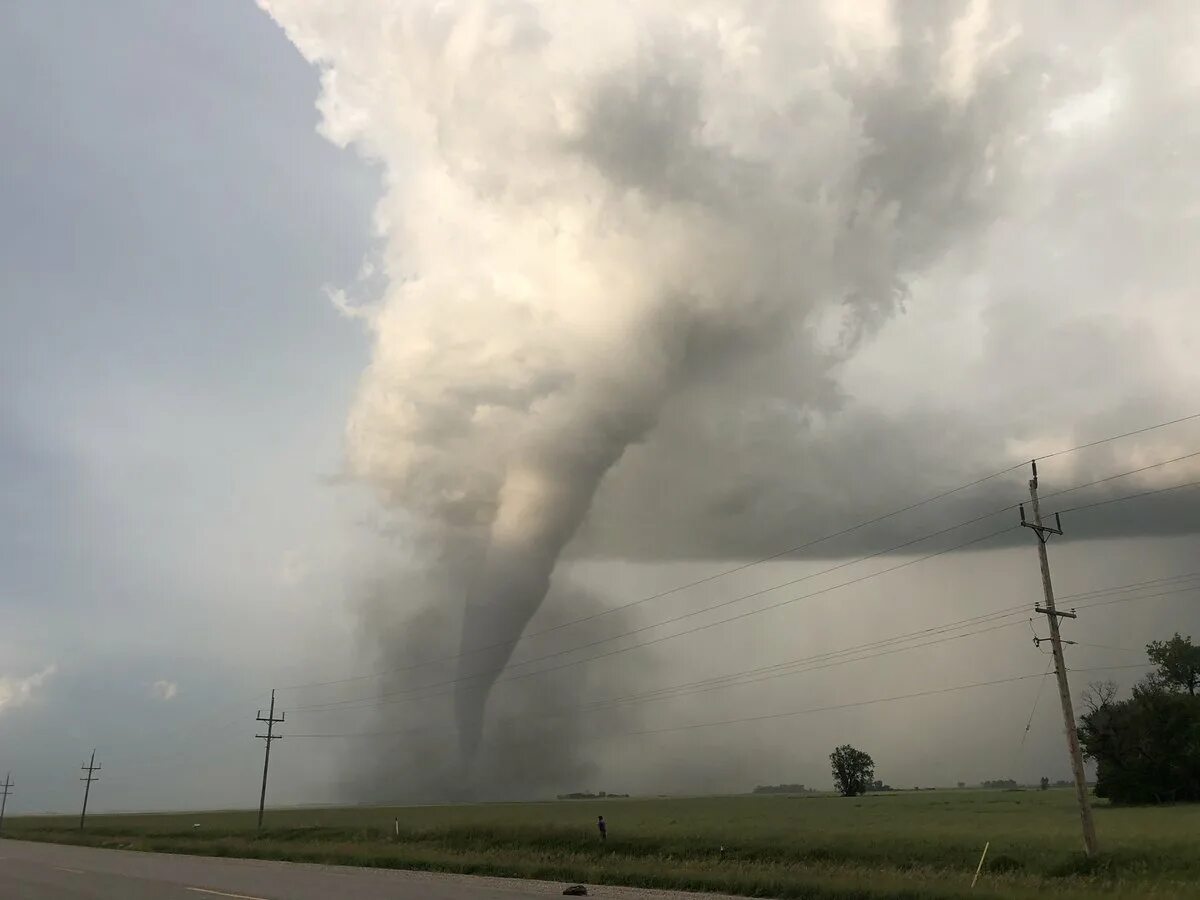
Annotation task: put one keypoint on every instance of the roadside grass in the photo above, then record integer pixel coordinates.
(907, 845)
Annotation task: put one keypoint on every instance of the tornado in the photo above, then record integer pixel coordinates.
(539, 511)
(544, 499)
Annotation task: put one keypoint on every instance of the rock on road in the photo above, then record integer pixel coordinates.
(30, 871)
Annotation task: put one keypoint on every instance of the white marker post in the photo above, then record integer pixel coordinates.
(979, 868)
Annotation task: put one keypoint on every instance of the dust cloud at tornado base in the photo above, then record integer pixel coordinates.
(542, 736)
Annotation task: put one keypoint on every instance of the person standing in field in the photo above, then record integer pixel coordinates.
(603, 826)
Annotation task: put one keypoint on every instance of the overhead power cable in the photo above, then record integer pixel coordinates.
(698, 628)
(1135, 585)
(1175, 487)
(770, 716)
(1138, 598)
(1018, 610)
(887, 551)
(742, 719)
(744, 566)
(864, 652)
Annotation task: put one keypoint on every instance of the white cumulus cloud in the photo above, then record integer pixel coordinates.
(16, 691)
(164, 690)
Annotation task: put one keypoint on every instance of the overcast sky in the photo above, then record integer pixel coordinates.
(289, 295)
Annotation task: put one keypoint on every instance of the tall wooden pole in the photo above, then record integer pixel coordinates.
(1053, 616)
(268, 737)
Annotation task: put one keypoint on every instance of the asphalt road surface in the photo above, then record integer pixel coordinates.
(30, 871)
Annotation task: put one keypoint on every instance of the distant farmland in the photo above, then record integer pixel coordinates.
(903, 845)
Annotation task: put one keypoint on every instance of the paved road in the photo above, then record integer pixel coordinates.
(31, 871)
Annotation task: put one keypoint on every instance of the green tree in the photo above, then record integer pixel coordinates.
(853, 771)
(1147, 748)
(1177, 662)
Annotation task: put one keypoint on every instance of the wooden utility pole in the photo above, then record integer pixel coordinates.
(1044, 533)
(87, 788)
(7, 786)
(268, 737)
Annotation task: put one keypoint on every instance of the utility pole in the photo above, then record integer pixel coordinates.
(7, 786)
(268, 737)
(87, 788)
(1044, 532)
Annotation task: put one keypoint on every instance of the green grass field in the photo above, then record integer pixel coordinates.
(904, 845)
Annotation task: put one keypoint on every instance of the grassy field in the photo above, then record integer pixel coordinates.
(904, 845)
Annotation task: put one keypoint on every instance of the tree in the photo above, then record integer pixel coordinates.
(853, 771)
(1177, 662)
(1147, 748)
(1045, 785)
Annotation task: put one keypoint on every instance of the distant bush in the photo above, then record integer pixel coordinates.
(584, 795)
(781, 789)
(1001, 783)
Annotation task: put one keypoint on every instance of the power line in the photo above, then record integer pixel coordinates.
(783, 715)
(744, 566)
(753, 612)
(801, 712)
(1136, 496)
(702, 689)
(1184, 576)
(917, 540)
(625, 606)
(1109, 647)
(650, 696)
(691, 584)
(635, 699)
(1132, 599)
(760, 718)
(867, 652)
(741, 720)
(1126, 474)
(414, 694)
(1036, 698)
(887, 551)
(1116, 437)
(350, 702)
(871, 650)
